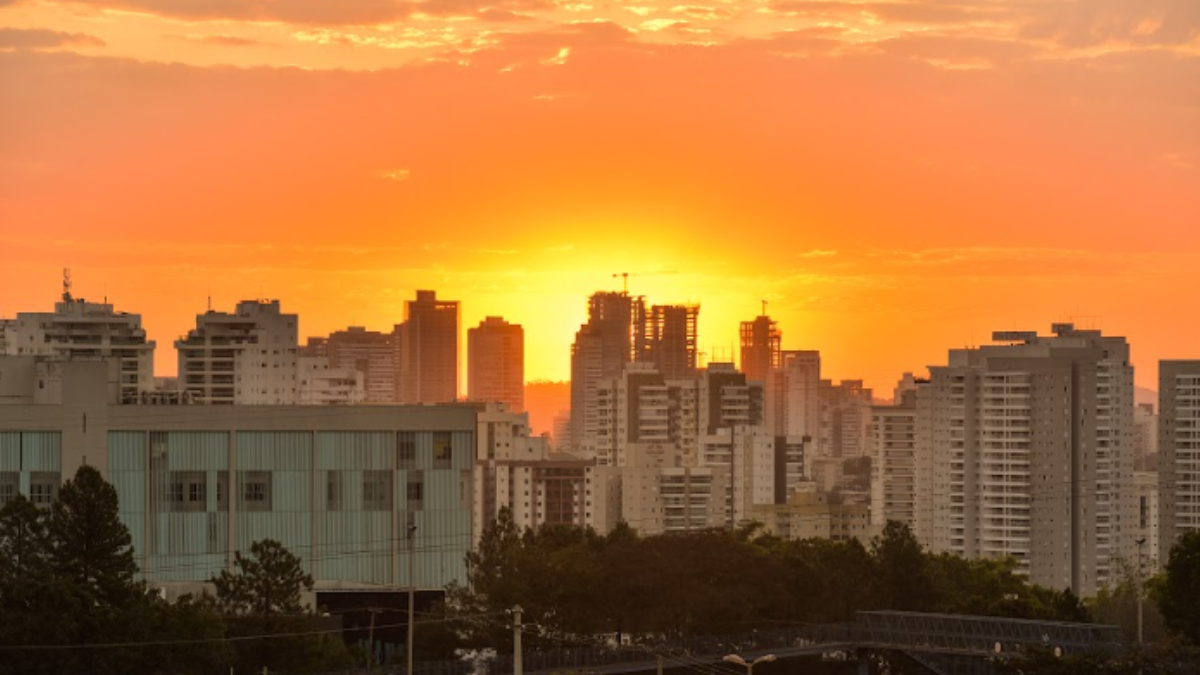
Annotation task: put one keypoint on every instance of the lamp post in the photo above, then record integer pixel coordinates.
(749, 665)
(412, 592)
(1140, 542)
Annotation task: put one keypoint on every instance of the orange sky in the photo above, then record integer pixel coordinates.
(896, 178)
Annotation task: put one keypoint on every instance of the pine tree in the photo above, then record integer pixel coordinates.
(24, 543)
(92, 547)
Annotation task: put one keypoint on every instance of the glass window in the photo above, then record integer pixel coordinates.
(377, 490)
(442, 450)
(256, 491)
(406, 450)
(9, 482)
(43, 488)
(333, 491)
(415, 489)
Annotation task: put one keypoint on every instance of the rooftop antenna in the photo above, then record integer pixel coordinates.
(67, 285)
(764, 303)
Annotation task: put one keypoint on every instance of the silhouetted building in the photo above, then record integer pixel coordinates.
(496, 363)
(793, 401)
(427, 342)
(601, 349)
(761, 344)
(670, 340)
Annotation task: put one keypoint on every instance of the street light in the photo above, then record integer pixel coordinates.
(734, 658)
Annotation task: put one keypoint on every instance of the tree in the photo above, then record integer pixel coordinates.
(263, 600)
(24, 542)
(1179, 590)
(92, 548)
(903, 581)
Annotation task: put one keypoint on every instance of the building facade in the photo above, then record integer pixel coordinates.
(1031, 455)
(247, 357)
(1178, 451)
(496, 363)
(427, 343)
(78, 329)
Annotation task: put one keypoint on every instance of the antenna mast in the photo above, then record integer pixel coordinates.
(625, 280)
(66, 295)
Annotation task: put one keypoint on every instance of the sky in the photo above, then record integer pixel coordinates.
(894, 179)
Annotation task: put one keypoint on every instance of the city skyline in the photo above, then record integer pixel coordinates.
(893, 178)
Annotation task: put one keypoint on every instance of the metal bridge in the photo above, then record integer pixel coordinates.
(945, 644)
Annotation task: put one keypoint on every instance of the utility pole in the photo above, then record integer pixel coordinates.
(518, 668)
(371, 638)
(412, 592)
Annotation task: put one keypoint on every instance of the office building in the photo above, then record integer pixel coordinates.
(247, 357)
(427, 343)
(196, 483)
(496, 363)
(1030, 448)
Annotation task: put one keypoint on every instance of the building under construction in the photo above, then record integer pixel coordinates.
(669, 340)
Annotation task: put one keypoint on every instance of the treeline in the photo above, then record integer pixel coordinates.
(712, 582)
(70, 601)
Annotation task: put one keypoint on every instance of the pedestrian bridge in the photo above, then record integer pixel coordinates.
(945, 644)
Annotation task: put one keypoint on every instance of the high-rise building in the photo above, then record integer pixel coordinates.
(370, 353)
(670, 340)
(845, 414)
(1145, 435)
(609, 340)
(761, 345)
(1178, 451)
(893, 444)
(247, 357)
(428, 348)
(1030, 455)
(496, 363)
(793, 395)
(81, 329)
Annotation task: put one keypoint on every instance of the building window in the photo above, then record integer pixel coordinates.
(43, 488)
(9, 482)
(415, 491)
(222, 490)
(333, 491)
(188, 491)
(256, 491)
(377, 490)
(406, 450)
(443, 453)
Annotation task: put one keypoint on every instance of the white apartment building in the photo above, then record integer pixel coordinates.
(81, 329)
(1031, 455)
(893, 443)
(845, 414)
(1178, 451)
(319, 384)
(793, 395)
(748, 455)
(248, 357)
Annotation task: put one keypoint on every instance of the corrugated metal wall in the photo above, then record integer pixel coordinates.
(339, 500)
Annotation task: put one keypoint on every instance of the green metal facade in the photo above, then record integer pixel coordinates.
(344, 501)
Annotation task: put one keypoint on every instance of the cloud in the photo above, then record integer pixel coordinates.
(950, 49)
(818, 253)
(220, 40)
(309, 12)
(394, 174)
(41, 38)
(1096, 22)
